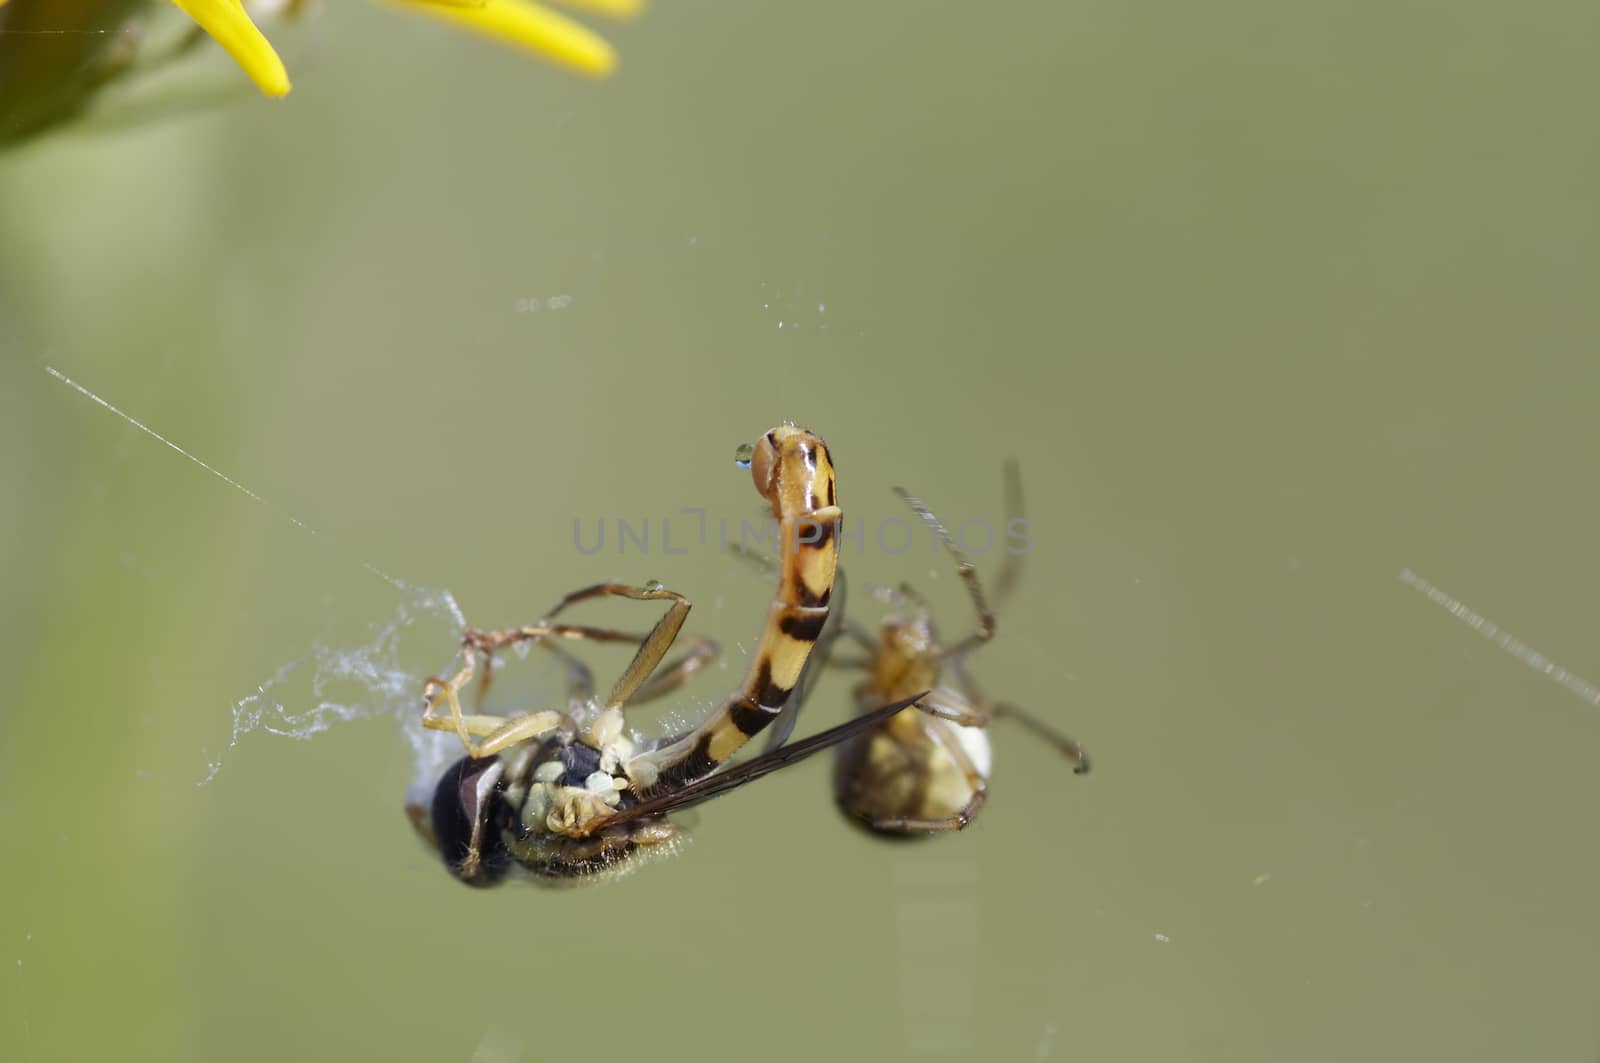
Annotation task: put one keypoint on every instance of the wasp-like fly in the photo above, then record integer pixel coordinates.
(567, 794)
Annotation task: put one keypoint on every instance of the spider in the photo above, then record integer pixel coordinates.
(570, 794)
(927, 772)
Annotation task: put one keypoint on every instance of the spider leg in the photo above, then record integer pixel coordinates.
(948, 703)
(1065, 744)
(1011, 568)
(1068, 746)
(969, 575)
(745, 553)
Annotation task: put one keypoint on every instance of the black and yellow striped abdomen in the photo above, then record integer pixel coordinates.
(794, 472)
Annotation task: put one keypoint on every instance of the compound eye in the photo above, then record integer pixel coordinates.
(463, 805)
(764, 465)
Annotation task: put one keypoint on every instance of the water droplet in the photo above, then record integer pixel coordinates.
(652, 585)
(744, 455)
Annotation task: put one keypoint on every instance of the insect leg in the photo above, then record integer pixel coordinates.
(502, 731)
(655, 644)
(665, 678)
(580, 681)
(498, 731)
(672, 675)
(652, 646)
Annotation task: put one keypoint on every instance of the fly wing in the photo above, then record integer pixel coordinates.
(751, 770)
(783, 726)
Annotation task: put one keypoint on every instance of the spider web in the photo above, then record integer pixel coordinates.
(378, 677)
(340, 684)
(331, 684)
(335, 685)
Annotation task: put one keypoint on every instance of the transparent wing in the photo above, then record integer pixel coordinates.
(716, 785)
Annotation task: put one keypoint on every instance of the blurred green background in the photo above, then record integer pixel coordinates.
(1272, 303)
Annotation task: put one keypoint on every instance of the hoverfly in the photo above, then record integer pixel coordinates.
(922, 773)
(570, 794)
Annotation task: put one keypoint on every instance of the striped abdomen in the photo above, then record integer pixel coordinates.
(793, 471)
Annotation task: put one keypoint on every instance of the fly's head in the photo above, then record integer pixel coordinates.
(543, 805)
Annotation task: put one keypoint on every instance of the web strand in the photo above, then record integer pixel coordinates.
(214, 471)
(333, 685)
(1503, 639)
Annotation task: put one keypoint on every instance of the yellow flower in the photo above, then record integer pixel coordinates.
(228, 23)
(535, 28)
(522, 23)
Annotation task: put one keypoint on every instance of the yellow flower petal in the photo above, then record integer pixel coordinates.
(227, 22)
(619, 9)
(531, 27)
